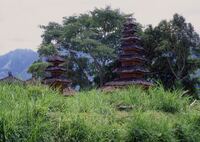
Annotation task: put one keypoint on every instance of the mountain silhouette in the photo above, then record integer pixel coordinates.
(17, 62)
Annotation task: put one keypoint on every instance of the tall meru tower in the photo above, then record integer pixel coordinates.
(132, 60)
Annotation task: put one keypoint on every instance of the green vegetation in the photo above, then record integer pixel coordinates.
(92, 42)
(38, 114)
(94, 35)
(172, 50)
(37, 69)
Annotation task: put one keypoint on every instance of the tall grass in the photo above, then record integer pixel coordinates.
(39, 114)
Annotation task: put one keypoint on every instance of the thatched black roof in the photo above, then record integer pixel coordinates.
(55, 68)
(131, 58)
(53, 80)
(131, 69)
(132, 38)
(128, 82)
(55, 59)
(132, 48)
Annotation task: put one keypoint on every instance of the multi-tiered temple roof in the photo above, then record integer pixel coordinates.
(132, 59)
(56, 78)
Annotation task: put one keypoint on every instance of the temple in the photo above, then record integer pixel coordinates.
(56, 78)
(131, 58)
(10, 78)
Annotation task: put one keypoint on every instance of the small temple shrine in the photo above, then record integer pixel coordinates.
(131, 58)
(10, 78)
(55, 71)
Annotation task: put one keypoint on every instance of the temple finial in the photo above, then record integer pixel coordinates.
(10, 73)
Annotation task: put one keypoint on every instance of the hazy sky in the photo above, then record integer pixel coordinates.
(19, 19)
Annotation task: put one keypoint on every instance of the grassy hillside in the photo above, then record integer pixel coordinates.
(38, 114)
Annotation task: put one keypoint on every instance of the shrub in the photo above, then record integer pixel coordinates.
(73, 131)
(38, 114)
(185, 127)
(145, 127)
(106, 133)
(180, 133)
(2, 130)
(167, 101)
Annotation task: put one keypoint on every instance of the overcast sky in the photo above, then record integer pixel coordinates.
(19, 19)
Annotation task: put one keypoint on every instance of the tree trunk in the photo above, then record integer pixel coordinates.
(101, 78)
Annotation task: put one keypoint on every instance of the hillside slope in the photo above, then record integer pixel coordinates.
(17, 62)
(36, 113)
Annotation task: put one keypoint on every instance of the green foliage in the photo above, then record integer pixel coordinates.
(93, 41)
(95, 34)
(47, 50)
(168, 101)
(37, 113)
(74, 131)
(37, 69)
(149, 127)
(171, 48)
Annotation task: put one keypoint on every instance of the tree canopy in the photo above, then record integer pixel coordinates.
(92, 38)
(170, 48)
(91, 41)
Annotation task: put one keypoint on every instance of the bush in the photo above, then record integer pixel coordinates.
(187, 127)
(167, 101)
(145, 127)
(2, 130)
(39, 114)
(180, 133)
(73, 131)
(106, 133)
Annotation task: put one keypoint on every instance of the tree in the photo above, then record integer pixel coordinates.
(37, 69)
(170, 47)
(91, 42)
(47, 50)
(95, 35)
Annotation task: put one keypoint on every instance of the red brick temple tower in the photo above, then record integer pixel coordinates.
(132, 60)
(56, 78)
